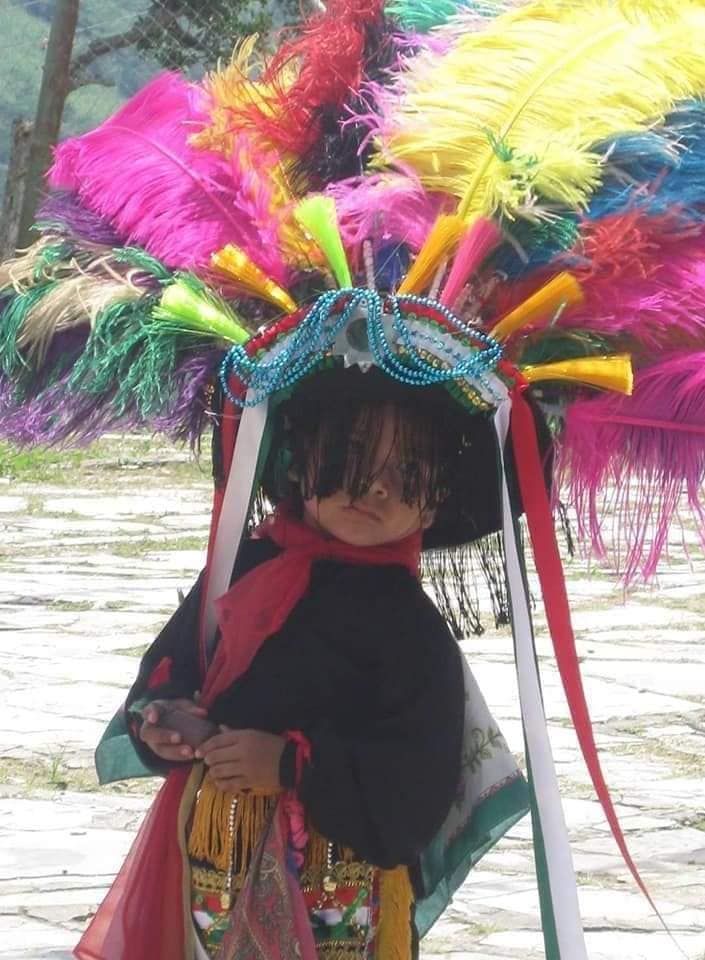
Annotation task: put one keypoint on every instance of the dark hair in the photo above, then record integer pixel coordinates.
(327, 432)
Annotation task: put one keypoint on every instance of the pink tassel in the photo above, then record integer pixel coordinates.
(139, 171)
(479, 240)
(633, 459)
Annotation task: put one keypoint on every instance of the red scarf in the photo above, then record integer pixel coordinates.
(258, 605)
(144, 915)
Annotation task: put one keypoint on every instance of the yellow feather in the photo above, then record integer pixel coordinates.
(508, 116)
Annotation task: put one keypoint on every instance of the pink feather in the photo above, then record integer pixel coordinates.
(384, 208)
(649, 293)
(139, 171)
(635, 458)
(482, 237)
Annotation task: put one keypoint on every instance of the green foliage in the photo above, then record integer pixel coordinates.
(211, 30)
(188, 35)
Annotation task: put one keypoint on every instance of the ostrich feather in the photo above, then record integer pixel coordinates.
(644, 284)
(62, 213)
(519, 106)
(139, 172)
(460, 15)
(626, 463)
(659, 170)
(385, 209)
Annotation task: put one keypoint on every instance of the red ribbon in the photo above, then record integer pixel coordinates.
(555, 598)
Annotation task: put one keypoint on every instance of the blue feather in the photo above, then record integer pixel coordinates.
(659, 170)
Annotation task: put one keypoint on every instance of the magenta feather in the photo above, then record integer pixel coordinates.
(630, 462)
(651, 297)
(385, 208)
(139, 171)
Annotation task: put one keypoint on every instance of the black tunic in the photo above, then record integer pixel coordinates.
(367, 669)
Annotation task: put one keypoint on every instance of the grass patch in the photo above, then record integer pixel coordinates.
(25, 777)
(74, 606)
(138, 651)
(131, 454)
(147, 545)
(21, 777)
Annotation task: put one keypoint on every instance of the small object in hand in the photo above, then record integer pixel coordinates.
(193, 729)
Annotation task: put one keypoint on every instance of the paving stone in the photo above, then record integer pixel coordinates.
(86, 581)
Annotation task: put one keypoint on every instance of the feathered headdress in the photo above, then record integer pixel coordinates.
(487, 195)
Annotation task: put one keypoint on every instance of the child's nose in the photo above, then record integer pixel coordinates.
(379, 488)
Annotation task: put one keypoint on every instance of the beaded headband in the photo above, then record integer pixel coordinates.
(415, 340)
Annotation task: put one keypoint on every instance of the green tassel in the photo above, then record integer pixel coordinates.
(318, 216)
(124, 360)
(187, 306)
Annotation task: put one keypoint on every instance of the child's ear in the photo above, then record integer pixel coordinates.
(428, 515)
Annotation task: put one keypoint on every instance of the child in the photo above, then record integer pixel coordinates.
(350, 653)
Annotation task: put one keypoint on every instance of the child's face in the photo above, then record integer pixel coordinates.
(380, 515)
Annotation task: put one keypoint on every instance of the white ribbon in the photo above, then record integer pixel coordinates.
(559, 862)
(233, 513)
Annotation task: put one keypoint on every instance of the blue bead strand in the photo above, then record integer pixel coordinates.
(318, 331)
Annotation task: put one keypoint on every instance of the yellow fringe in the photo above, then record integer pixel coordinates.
(562, 291)
(439, 245)
(393, 941)
(210, 838)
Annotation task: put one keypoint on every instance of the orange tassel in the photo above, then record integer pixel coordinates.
(236, 264)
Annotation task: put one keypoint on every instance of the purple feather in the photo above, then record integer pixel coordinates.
(139, 172)
(64, 212)
(639, 456)
(60, 416)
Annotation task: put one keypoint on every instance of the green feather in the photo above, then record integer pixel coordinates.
(12, 320)
(138, 258)
(550, 346)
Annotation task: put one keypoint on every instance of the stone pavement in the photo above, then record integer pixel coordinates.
(90, 565)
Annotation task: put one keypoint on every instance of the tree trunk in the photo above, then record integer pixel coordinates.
(50, 107)
(14, 187)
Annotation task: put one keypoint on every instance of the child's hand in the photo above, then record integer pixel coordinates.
(167, 744)
(243, 759)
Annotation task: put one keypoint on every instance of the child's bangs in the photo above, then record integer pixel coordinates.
(338, 430)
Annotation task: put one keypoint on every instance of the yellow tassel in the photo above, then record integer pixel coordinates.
(235, 263)
(607, 373)
(393, 941)
(316, 848)
(440, 244)
(562, 291)
(210, 838)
